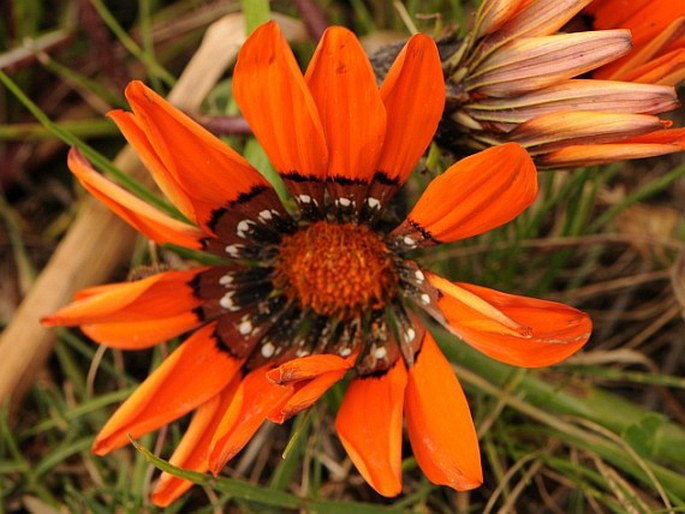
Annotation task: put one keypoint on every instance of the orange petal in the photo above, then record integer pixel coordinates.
(414, 95)
(307, 395)
(473, 196)
(651, 55)
(344, 88)
(163, 294)
(272, 95)
(193, 451)
(609, 14)
(209, 173)
(674, 136)
(130, 127)
(512, 329)
(255, 399)
(146, 219)
(659, 142)
(136, 335)
(306, 368)
(648, 22)
(312, 375)
(555, 130)
(669, 70)
(591, 155)
(195, 372)
(369, 425)
(439, 422)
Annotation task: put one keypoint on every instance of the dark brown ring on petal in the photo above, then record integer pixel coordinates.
(240, 332)
(411, 235)
(308, 193)
(344, 338)
(414, 286)
(381, 190)
(346, 196)
(231, 289)
(409, 330)
(254, 217)
(379, 346)
(277, 345)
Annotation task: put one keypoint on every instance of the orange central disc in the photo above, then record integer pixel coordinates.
(336, 269)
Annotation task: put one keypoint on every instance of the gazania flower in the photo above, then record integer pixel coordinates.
(515, 78)
(310, 294)
(658, 32)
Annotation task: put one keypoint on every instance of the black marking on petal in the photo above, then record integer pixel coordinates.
(347, 181)
(231, 288)
(383, 178)
(411, 235)
(241, 200)
(196, 285)
(200, 313)
(425, 234)
(242, 331)
(380, 191)
(344, 338)
(277, 344)
(221, 344)
(249, 195)
(308, 193)
(296, 177)
(254, 219)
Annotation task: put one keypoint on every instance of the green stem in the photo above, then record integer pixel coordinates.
(154, 67)
(95, 157)
(256, 12)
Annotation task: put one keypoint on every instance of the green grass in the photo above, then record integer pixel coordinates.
(603, 435)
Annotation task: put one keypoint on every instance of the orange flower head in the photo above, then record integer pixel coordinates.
(311, 292)
(516, 78)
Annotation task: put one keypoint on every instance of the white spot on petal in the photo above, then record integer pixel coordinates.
(265, 214)
(420, 277)
(380, 353)
(234, 250)
(226, 280)
(245, 327)
(374, 203)
(243, 227)
(409, 241)
(268, 350)
(345, 202)
(425, 298)
(410, 334)
(227, 302)
(304, 198)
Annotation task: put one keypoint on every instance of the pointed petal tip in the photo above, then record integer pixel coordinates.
(161, 498)
(275, 376)
(51, 320)
(101, 446)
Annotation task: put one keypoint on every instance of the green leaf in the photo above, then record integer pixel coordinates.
(642, 436)
(263, 495)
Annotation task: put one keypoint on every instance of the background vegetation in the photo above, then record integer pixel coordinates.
(601, 433)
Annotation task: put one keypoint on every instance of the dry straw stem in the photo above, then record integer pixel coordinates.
(98, 241)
